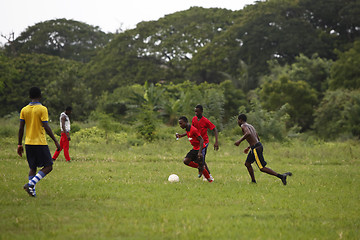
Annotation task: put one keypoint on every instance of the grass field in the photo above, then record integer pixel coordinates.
(110, 191)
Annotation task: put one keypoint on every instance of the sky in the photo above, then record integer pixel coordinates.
(109, 15)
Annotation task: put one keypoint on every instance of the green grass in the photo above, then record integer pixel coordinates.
(117, 191)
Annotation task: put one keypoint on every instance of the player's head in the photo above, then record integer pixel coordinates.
(68, 110)
(183, 122)
(35, 93)
(199, 110)
(242, 119)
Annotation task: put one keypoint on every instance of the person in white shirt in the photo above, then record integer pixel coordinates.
(65, 134)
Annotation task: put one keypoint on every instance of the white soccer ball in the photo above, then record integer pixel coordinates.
(173, 178)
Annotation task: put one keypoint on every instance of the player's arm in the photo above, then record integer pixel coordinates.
(257, 136)
(50, 133)
(63, 119)
(201, 140)
(180, 135)
(20, 149)
(216, 144)
(245, 136)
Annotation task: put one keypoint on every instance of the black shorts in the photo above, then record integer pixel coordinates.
(256, 155)
(38, 156)
(193, 156)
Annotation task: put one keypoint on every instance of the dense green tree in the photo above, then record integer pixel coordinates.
(339, 19)
(299, 96)
(345, 73)
(57, 78)
(267, 30)
(69, 89)
(156, 51)
(30, 70)
(315, 71)
(7, 73)
(60, 37)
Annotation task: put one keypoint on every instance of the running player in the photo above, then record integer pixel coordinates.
(256, 153)
(194, 158)
(203, 124)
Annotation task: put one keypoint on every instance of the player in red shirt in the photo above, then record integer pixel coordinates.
(194, 158)
(203, 124)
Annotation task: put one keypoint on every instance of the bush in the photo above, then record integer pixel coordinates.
(270, 125)
(146, 128)
(338, 114)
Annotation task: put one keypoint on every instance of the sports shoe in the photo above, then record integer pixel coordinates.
(210, 179)
(283, 178)
(30, 189)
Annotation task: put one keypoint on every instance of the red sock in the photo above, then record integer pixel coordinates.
(193, 164)
(206, 173)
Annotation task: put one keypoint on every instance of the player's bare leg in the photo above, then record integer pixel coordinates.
(251, 171)
(272, 172)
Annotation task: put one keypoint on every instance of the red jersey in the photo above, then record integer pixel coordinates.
(192, 135)
(203, 125)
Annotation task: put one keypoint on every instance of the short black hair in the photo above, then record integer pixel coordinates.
(184, 119)
(242, 117)
(68, 108)
(35, 93)
(199, 107)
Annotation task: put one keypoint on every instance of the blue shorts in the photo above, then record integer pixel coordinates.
(205, 150)
(38, 156)
(256, 155)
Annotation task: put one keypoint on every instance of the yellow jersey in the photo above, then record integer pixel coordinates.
(34, 115)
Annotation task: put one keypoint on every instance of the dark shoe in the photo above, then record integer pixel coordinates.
(283, 179)
(30, 189)
(284, 176)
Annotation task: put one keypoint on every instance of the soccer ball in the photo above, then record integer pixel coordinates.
(173, 178)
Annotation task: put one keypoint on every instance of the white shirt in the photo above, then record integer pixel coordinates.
(67, 122)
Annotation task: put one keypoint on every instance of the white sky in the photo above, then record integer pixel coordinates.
(109, 15)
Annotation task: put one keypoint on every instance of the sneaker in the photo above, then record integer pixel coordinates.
(283, 178)
(30, 189)
(210, 179)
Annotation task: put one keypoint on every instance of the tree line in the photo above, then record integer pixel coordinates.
(293, 60)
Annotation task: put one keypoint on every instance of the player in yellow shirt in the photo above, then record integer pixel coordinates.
(35, 117)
